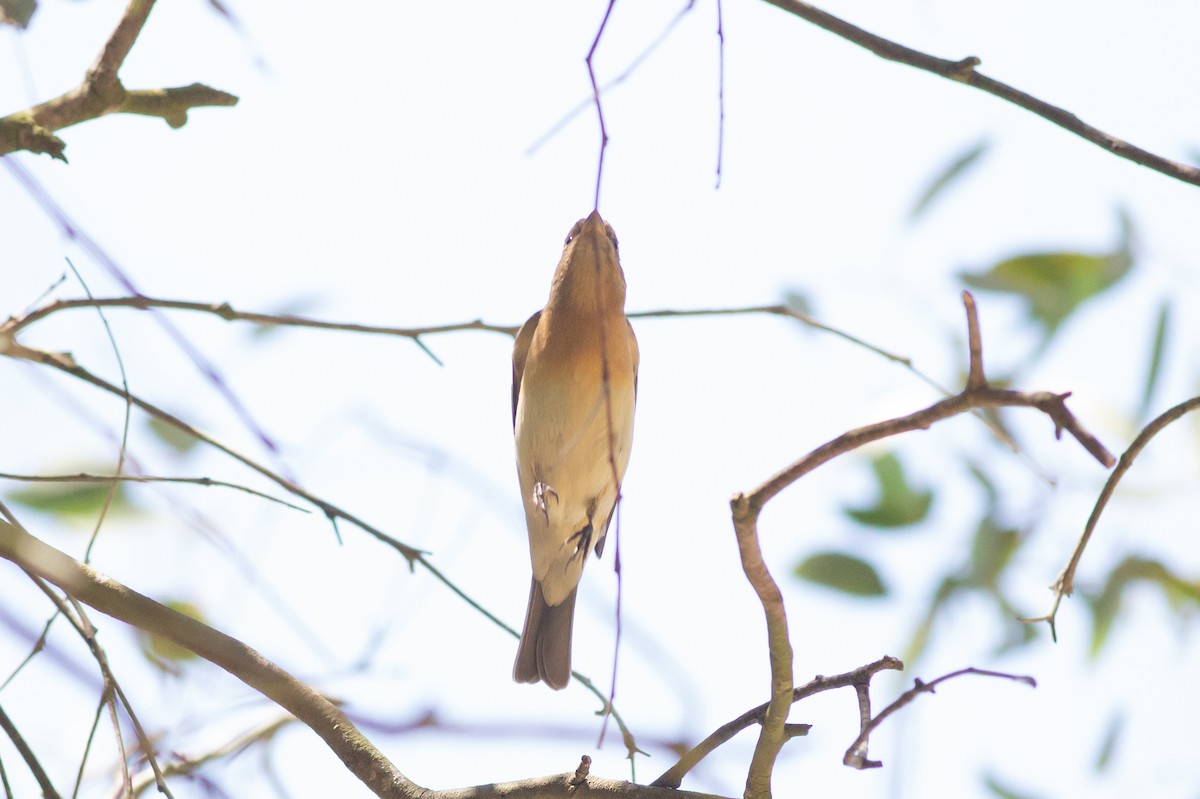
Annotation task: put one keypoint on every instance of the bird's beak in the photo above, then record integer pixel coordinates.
(594, 224)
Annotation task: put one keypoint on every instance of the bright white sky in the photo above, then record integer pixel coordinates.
(377, 171)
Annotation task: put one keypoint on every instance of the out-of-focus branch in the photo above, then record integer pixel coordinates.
(1065, 583)
(101, 93)
(964, 71)
(19, 743)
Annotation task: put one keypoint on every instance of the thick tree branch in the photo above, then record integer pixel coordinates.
(964, 71)
(113, 599)
(773, 734)
(101, 93)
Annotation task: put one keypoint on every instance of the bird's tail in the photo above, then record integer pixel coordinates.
(545, 649)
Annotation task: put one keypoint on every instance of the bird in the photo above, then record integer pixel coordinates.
(575, 367)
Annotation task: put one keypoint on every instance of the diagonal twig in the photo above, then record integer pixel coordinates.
(856, 755)
(1064, 584)
(964, 71)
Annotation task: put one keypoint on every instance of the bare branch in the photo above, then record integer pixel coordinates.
(18, 742)
(773, 736)
(964, 71)
(207, 482)
(673, 777)
(101, 93)
(116, 600)
(225, 311)
(1064, 585)
(596, 98)
(1053, 405)
(975, 376)
(856, 754)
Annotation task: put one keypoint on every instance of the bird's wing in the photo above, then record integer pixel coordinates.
(637, 357)
(520, 353)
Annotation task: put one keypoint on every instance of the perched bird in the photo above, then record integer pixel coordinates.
(575, 366)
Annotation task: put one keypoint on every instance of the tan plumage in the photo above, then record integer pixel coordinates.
(570, 460)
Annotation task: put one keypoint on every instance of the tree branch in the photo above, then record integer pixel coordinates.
(861, 676)
(116, 600)
(856, 754)
(1053, 405)
(1064, 585)
(746, 508)
(964, 71)
(101, 93)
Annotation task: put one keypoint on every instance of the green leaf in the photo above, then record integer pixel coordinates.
(1178, 592)
(991, 551)
(294, 307)
(1002, 790)
(797, 302)
(163, 651)
(1055, 284)
(953, 171)
(179, 440)
(899, 504)
(842, 572)
(1156, 356)
(17, 12)
(1108, 746)
(71, 498)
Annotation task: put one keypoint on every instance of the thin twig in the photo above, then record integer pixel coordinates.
(596, 99)
(18, 742)
(673, 777)
(207, 482)
(964, 71)
(190, 764)
(1065, 582)
(720, 91)
(112, 341)
(75, 614)
(855, 756)
(621, 77)
(225, 311)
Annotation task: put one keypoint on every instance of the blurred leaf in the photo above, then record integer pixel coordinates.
(1112, 737)
(1054, 284)
(953, 171)
(797, 302)
(920, 637)
(162, 651)
(293, 307)
(1177, 591)
(17, 12)
(1003, 791)
(1156, 355)
(842, 572)
(899, 504)
(72, 499)
(991, 551)
(179, 440)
